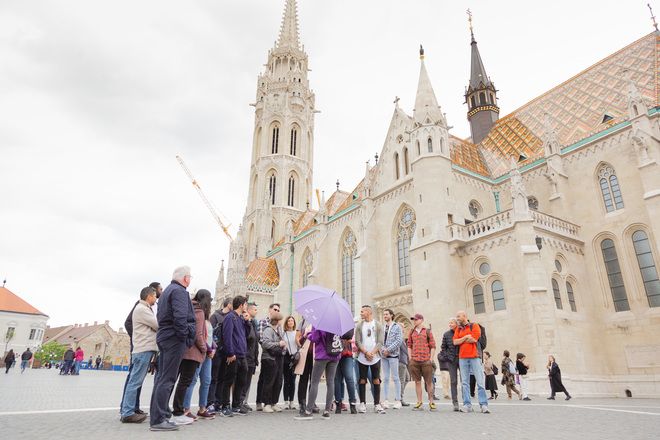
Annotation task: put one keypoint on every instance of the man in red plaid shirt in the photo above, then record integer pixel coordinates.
(421, 347)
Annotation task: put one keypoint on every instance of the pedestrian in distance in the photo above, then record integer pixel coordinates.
(490, 371)
(369, 340)
(327, 352)
(466, 337)
(143, 328)
(176, 332)
(522, 366)
(199, 355)
(98, 362)
(67, 361)
(556, 385)
(79, 358)
(421, 348)
(291, 358)
(448, 357)
(509, 375)
(10, 358)
(392, 341)
(26, 357)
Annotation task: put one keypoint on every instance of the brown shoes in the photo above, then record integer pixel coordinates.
(134, 418)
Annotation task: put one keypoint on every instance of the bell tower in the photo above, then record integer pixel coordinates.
(283, 143)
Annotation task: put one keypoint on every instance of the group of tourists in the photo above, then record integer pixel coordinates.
(185, 342)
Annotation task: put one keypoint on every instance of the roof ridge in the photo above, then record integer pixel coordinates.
(601, 61)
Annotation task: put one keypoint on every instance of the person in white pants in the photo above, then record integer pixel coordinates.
(522, 366)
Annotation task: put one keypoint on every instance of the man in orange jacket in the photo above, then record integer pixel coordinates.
(466, 336)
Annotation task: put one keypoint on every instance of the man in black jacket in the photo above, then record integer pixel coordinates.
(252, 356)
(176, 332)
(448, 360)
(219, 360)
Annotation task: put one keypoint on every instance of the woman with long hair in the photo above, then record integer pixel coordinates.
(273, 345)
(491, 383)
(202, 307)
(509, 375)
(556, 385)
(289, 364)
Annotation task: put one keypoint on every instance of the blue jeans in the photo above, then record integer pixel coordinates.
(204, 374)
(391, 368)
(472, 366)
(77, 365)
(139, 366)
(345, 372)
(24, 365)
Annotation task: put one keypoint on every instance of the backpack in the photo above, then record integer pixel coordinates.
(482, 341)
(217, 330)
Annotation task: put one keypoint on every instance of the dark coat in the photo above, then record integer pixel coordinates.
(233, 336)
(176, 318)
(26, 356)
(10, 358)
(252, 356)
(128, 324)
(69, 355)
(448, 351)
(554, 373)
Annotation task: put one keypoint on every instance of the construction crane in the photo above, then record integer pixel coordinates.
(222, 221)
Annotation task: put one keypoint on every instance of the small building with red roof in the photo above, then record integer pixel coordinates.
(22, 325)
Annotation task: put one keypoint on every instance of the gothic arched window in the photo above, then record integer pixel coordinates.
(396, 166)
(275, 140)
(272, 187)
(478, 299)
(419, 151)
(614, 276)
(294, 141)
(609, 187)
(406, 167)
(405, 230)
(292, 191)
(429, 144)
(557, 294)
(307, 266)
(647, 267)
(498, 295)
(571, 296)
(348, 252)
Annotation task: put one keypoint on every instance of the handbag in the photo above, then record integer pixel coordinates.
(495, 370)
(295, 357)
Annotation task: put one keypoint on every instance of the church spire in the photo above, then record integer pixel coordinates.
(480, 95)
(426, 109)
(289, 29)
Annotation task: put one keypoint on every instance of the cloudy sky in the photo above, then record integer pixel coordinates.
(97, 98)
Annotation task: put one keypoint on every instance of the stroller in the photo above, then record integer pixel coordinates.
(67, 367)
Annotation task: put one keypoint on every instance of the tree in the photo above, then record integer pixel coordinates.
(50, 351)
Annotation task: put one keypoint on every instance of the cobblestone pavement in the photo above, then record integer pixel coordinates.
(42, 404)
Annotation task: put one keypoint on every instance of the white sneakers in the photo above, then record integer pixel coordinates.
(268, 409)
(379, 409)
(277, 408)
(181, 420)
(362, 408)
(397, 404)
(385, 404)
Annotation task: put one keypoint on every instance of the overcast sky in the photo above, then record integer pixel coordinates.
(97, 98)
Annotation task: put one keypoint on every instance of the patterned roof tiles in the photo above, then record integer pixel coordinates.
(465, 154)
(263, 272)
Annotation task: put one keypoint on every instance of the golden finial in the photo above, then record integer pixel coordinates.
(655, 23)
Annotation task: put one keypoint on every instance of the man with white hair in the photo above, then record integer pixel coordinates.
(176, 332)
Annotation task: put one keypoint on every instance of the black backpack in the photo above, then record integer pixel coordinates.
(217, 329)
(483, 340)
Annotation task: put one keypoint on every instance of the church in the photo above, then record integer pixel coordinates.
(542, 225)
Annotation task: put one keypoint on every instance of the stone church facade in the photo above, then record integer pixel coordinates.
(542, 225)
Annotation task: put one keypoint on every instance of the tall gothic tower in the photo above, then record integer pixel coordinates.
(283, 143)
(480, 96)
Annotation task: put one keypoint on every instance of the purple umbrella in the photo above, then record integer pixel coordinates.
(325, 309)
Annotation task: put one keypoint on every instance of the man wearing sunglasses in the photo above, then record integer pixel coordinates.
(369, 340)
(263, 324)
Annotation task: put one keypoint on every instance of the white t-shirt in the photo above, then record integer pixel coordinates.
(368, 342)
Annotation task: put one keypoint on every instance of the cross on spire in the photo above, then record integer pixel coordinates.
(469, 13)
(655, 23)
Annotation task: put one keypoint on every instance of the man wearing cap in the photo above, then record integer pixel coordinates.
(421, 347)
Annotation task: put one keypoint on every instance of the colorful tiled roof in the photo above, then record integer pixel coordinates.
(262, 272)
(10, 302)
(465, 154)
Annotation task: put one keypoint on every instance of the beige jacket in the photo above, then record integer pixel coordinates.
(145, 326)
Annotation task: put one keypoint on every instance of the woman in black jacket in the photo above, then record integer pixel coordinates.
(9, 360)
(448, 360)
(554, 373)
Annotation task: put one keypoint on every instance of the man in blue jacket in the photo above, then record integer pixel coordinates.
(176, 332)
(235, 350)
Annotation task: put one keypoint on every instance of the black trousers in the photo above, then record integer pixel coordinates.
(171, 353)
(364, 374)
(289, 378)
(303, 383)
(260, 386)
(187, 370)
(234, 374)
(272, 384)
(215, 389)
